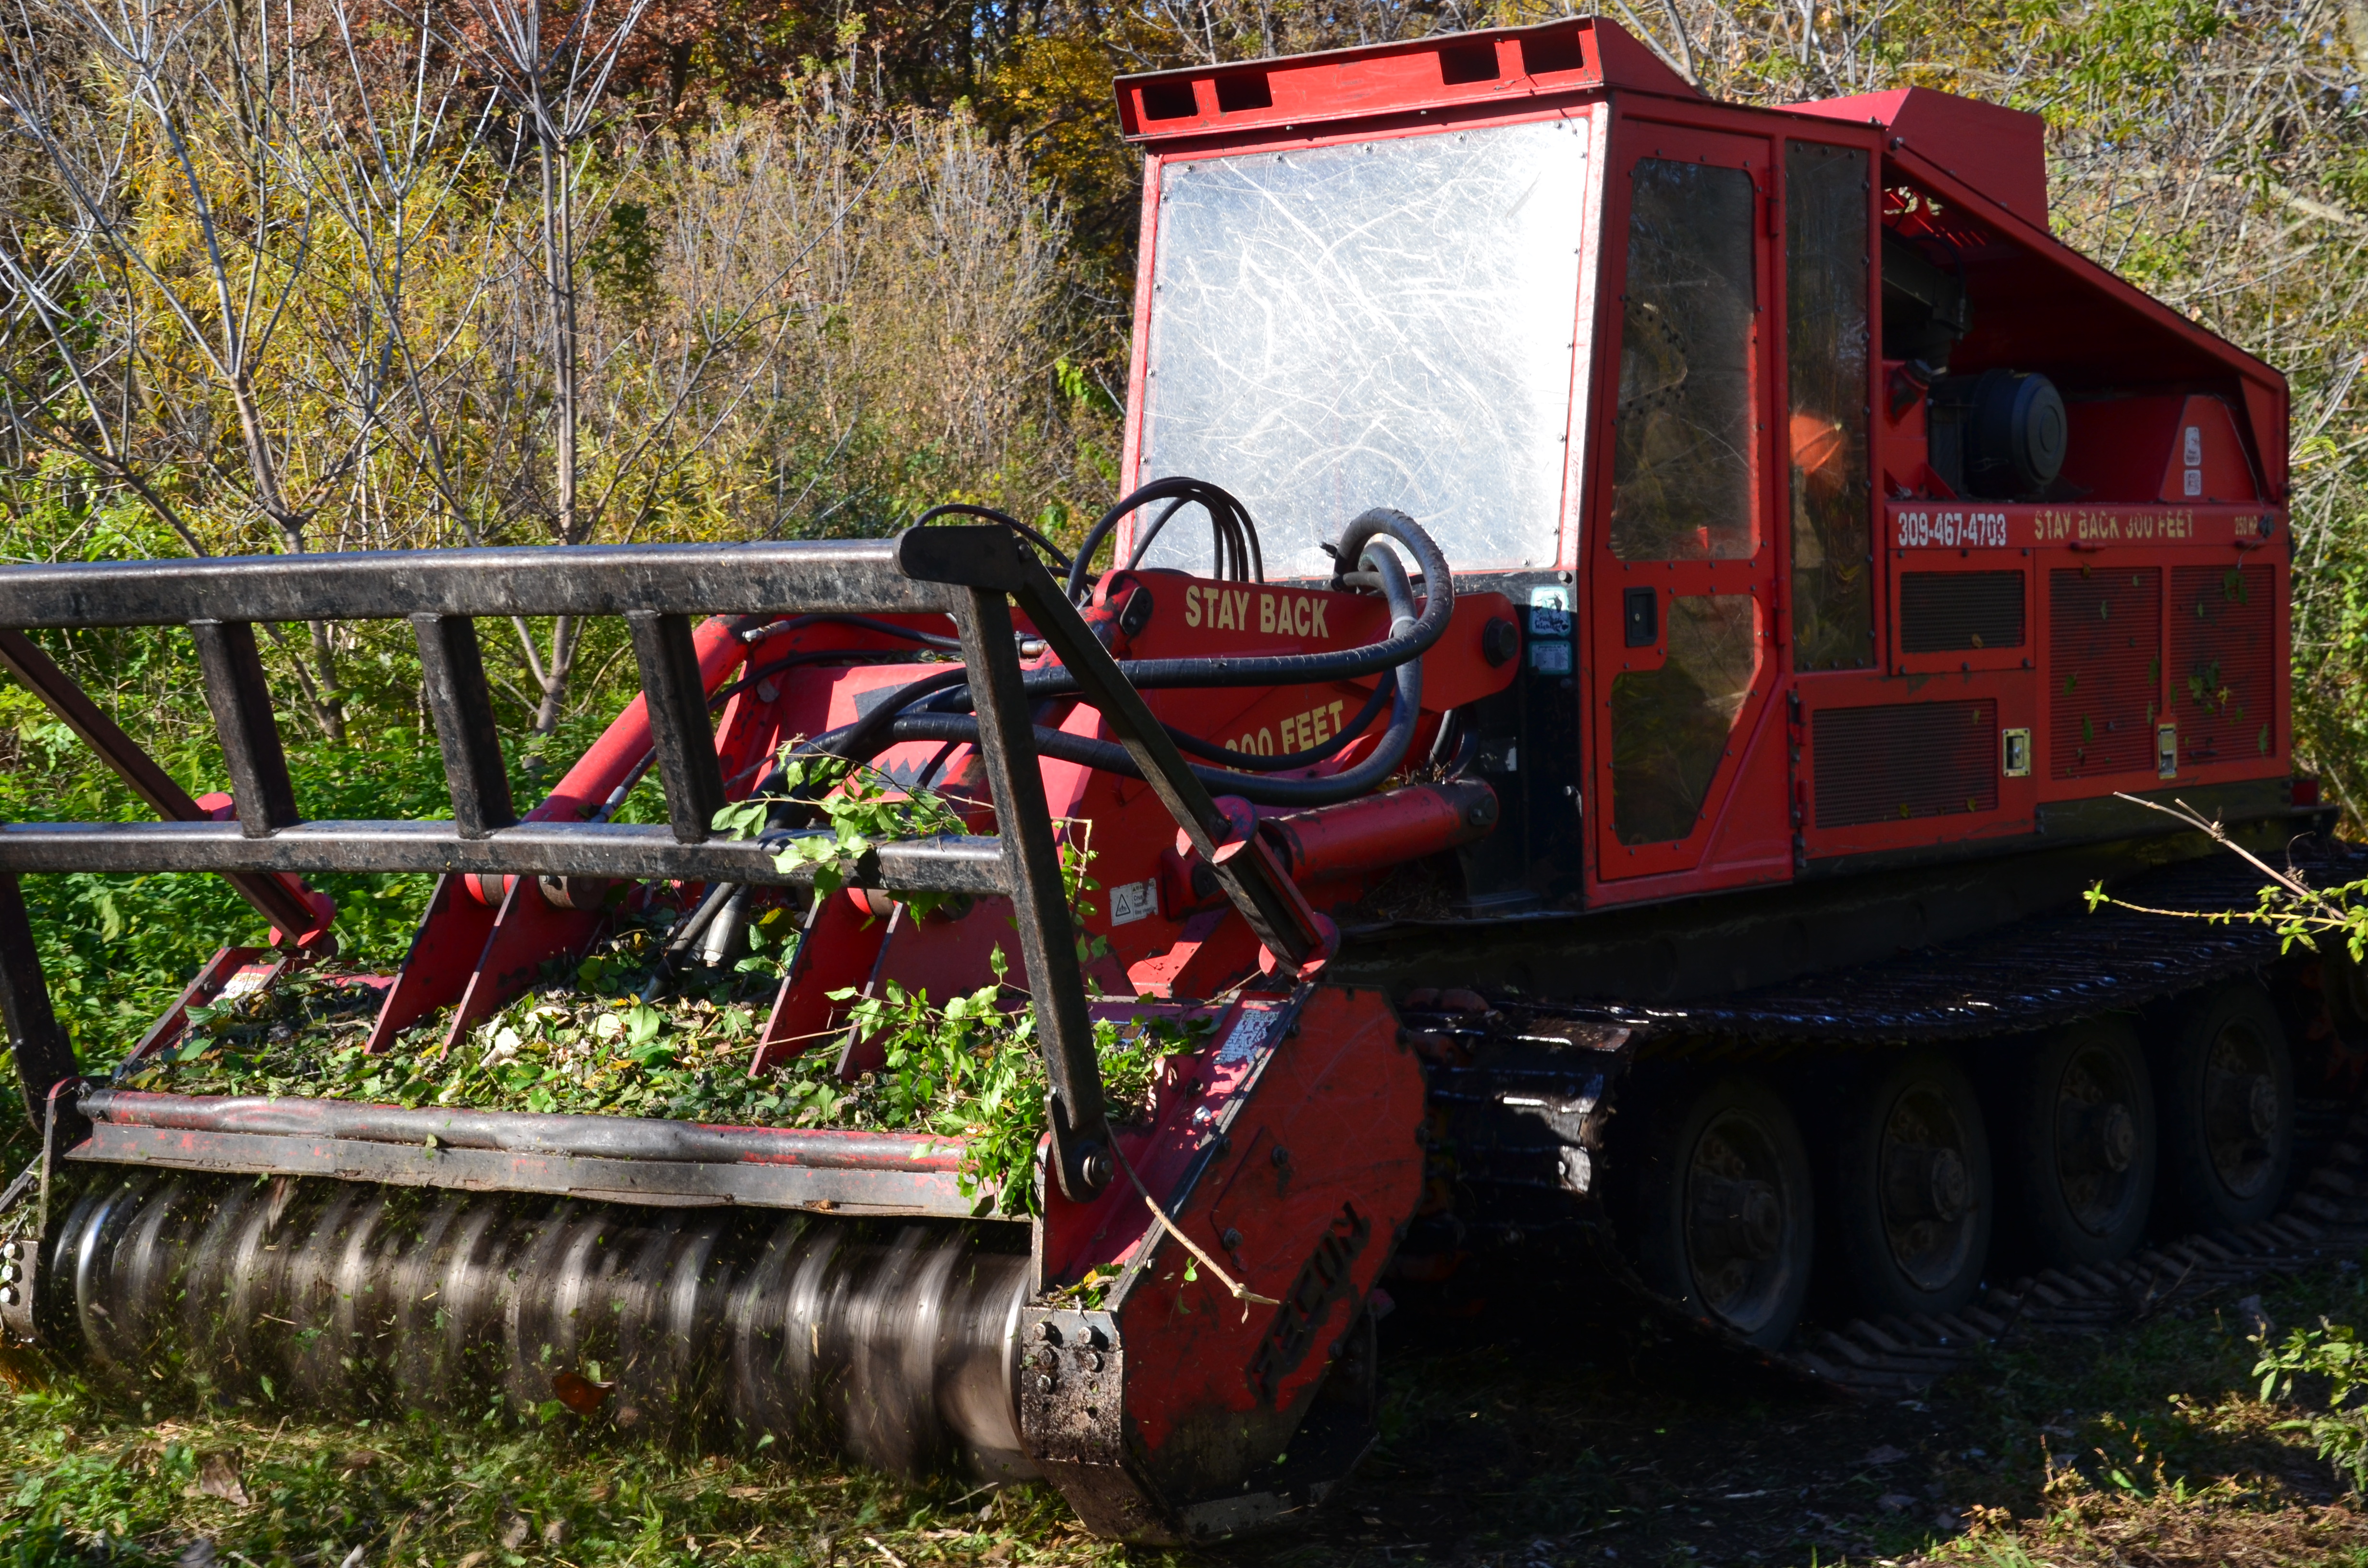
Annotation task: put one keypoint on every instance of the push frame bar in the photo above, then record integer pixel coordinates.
(968, 573)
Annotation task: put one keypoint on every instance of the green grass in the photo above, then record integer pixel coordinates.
(87, 1482)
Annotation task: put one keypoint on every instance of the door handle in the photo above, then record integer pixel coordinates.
(1640, 611)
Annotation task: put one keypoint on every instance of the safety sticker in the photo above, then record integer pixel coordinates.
(1549, 611)
(1249, 1033)
(1130, 902)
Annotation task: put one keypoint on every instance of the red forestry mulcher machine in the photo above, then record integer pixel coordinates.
(1724, 582)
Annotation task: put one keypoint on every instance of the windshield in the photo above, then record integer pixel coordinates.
(1377, 323)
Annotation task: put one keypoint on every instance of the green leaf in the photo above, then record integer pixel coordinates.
(744, 819)
(643, 1023)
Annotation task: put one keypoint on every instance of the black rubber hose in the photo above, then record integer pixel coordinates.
(1151, 532)
(688, 929)
(868, 623)
(1280, 669)
(868, 736)
(1109, 756)
(1405, 712)
(1253, 762)
(836, 743)
(1303, 669)
(1410, 637)
(1290, 669)
(1225, 512)
(1238, 559)
(853, 658)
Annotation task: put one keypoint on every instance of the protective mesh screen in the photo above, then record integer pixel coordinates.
(1382, 324)
(2105, 643)
(1948, 612)
(2223, 662)
(1903, 760)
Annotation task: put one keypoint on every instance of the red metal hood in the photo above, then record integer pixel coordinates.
(2002, 152)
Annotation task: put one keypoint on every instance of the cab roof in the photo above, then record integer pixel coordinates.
(1579, 55)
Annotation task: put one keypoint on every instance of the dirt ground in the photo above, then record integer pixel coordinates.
(1557, 1426)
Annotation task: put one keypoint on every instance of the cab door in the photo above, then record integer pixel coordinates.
(1682, 568)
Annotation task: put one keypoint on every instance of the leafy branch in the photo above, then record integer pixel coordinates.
(625, 1033)
(971, 1070)
(2295, 910)
(863, 809)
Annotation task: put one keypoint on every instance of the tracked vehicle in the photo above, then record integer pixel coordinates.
(1698, 594)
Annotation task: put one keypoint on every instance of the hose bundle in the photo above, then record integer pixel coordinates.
(935, 707)
(1235, 537)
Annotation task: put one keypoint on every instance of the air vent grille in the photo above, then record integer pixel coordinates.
(2223, 662)
(1949, 612)
(1900, 761)
(2105, 676)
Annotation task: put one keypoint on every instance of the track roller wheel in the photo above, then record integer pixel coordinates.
(2224, 1096)
(1908, 1194)
(1725, 1225)
(2081, 1145)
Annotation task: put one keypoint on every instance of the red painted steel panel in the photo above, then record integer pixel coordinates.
(1504, 67)
(1288, 1150)
(2000, 151)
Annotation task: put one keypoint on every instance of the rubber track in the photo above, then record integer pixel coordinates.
(2326, 1220)
(2035, 973)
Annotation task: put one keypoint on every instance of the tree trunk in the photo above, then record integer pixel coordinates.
(328, 706)
(555, 671)
(559, 272)
(331, 701)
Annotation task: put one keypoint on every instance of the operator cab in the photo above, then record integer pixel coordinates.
(1815, 464)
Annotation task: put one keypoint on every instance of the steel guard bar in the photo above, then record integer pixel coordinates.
(850, 576)
(966, 573)
(973, 865)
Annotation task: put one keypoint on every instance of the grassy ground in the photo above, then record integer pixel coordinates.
(1538, 1424)
(89, 1483)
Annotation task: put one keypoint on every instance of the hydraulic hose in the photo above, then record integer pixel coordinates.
(844, 743)
(1255, 762)
(1238, 559)
(1300, 670)
(1236, 540)
(866, 738)
(1410, 636)
(1405, 712)
(867, 623)
(1292, 669)
(850, 658)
